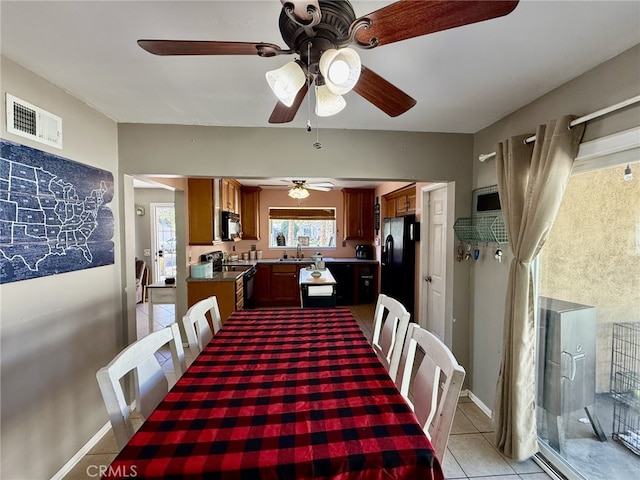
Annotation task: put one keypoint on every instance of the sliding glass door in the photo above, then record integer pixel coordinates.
(588, 403)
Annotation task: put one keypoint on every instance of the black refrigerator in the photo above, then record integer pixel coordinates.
(399, 259)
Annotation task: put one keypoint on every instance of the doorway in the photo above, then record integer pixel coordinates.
(436, 265)
(163, 240)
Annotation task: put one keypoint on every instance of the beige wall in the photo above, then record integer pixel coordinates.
(57, 330)
(609, 83)
(592, 255)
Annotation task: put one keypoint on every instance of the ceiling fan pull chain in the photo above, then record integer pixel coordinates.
(317, 145)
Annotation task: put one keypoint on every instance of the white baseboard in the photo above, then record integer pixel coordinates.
(73, 461)
(478, 402)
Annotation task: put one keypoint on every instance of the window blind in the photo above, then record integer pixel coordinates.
(316, 213)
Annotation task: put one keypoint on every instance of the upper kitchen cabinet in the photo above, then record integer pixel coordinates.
(202, 196)
(230, 195)
(250, 212)
(401, 202)
(358, 213)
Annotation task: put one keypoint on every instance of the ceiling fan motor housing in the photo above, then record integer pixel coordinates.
(331, 32)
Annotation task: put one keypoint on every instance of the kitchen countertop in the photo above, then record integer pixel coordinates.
(218, 277)
(311, 260)
(233, 276)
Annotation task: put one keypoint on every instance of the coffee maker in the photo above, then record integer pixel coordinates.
(364, 252)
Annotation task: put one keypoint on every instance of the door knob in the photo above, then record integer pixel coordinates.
(428, 278)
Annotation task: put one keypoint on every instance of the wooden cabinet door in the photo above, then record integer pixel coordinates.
(284, 285)
(358, 213)
(262, 285)
(401, 202)
(200, 197)
(250, 213)
(366, 215)
(234, 196)
(225, 293)
(230, 195)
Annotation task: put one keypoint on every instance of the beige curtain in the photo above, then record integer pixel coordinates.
(531, 182)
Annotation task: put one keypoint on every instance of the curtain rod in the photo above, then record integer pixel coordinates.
(599, 113)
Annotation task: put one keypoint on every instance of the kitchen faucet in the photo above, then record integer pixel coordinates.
(299, 251)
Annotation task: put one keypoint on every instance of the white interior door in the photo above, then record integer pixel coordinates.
(434, 278)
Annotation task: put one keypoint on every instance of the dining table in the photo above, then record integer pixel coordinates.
(282, 394)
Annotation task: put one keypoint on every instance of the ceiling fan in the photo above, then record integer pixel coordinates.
(300, 188)
(320, 33)
(320, 186)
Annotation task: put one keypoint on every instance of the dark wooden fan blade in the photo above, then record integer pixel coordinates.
(197, 47)
(300, 8)
(384, 95)
(284, 114)
(410, 18)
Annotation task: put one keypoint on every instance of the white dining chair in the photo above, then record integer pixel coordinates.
(149, 381)
(390, 323)
(196, 325)
(436, 386)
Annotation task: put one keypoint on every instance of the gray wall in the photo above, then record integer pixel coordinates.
(57, 330)
(611, 82)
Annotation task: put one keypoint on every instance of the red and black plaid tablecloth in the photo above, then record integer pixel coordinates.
(282, 394)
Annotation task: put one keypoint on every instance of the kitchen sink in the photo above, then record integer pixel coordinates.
(295, 260)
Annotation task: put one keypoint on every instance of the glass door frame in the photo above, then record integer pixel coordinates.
(158, 274)
(605, 152)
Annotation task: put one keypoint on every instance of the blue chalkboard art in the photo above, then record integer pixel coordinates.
(53, 214)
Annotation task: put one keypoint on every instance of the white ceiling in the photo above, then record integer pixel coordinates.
(463, 79)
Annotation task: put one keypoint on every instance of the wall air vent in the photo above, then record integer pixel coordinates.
(33, 122)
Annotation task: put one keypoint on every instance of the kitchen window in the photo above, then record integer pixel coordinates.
(308, 227)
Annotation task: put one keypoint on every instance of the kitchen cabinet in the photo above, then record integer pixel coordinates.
(230, 295)
(262, 285)
(277, 284)
(250, 212)
(401, 202)
(358, 213)
(284, 284)
(201, 198)
(230, 195)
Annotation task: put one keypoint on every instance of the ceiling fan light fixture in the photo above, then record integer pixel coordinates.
(328, 103)
(286, 81)
(298, 192)
(340, 69)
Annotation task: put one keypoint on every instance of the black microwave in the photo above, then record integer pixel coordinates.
(231, 227)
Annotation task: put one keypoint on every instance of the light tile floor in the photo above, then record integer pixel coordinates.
(470, 453)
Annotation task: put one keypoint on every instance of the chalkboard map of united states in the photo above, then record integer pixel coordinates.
(53, 214)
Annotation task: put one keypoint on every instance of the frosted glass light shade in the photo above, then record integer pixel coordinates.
(327, 103)
(298, 192)
(286, 82)
(340, 69)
